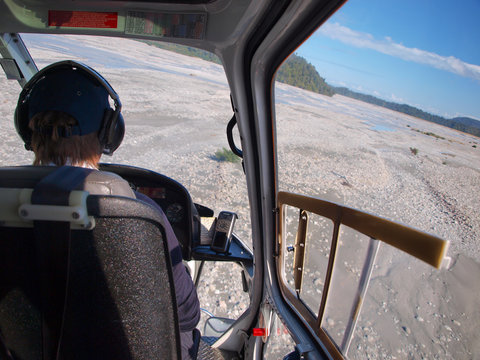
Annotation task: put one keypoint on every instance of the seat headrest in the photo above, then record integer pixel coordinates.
(96, 183)
(107, 183)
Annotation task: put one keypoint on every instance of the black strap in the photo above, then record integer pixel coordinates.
(52, 239)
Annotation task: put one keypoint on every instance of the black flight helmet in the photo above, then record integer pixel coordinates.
(78, 91)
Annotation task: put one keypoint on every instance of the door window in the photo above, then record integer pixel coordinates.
(390, 126)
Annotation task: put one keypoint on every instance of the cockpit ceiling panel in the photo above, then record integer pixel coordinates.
(193, 23)
(184, 2)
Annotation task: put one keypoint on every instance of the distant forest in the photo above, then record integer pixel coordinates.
(298, 72)
(464, 124)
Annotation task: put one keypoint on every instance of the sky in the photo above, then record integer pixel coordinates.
(425, 53)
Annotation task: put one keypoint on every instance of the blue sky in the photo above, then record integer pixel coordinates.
(424, 53)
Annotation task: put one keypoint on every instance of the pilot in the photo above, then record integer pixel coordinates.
(64, 116)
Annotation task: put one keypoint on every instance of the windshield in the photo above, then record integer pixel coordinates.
(378, 110)
(176, 108)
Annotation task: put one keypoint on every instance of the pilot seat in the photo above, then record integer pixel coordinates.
(84, 271)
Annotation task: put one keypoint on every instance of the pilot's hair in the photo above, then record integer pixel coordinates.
(50, 147)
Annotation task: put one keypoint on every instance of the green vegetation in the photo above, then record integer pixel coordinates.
(296, 71)
(434, 135)
(226, 155)
(428, 133)
(414, 151)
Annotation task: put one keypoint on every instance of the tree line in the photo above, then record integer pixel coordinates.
(296, 71)
(463, 124)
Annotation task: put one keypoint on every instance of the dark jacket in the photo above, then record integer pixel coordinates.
(186, 294)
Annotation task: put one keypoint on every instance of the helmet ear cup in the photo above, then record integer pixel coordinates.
(112, 131)
(116, 134)
(21, 121)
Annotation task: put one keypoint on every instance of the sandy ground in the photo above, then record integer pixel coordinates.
(335, 148)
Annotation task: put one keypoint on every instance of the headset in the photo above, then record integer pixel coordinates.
(111, 126)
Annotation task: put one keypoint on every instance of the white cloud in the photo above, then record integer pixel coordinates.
(388, 46)
(397, 99)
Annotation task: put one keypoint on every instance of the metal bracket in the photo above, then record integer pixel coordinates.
(17, 210)
(17, 62)
(302, 349)
(299, 256)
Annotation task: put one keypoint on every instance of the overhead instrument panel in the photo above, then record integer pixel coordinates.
(83, 19)
(143, 23)
(186, 26)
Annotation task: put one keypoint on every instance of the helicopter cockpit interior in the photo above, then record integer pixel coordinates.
(260, 177)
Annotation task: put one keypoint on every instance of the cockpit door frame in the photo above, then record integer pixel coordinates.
(428, 248)
(299, 19)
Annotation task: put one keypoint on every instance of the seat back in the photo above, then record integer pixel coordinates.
(108, 294)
